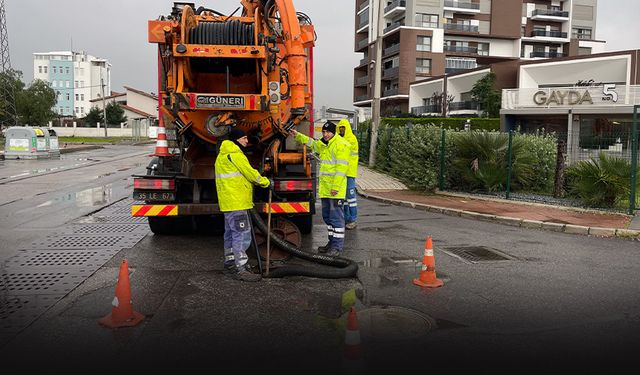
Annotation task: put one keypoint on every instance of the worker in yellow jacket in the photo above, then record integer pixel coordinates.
(234, 183)
(350, 204)
(333, 153)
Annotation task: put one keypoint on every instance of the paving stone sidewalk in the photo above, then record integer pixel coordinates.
(380, 187)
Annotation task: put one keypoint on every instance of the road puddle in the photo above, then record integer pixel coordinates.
(85, 198)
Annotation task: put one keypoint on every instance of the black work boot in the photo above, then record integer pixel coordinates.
(245, 275)
(325, 248)
(334, 253)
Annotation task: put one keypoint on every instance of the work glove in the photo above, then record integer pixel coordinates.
(272, 184)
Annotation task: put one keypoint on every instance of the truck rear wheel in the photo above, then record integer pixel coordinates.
(170, 226)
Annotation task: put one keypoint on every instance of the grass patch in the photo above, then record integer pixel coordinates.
(96, 140)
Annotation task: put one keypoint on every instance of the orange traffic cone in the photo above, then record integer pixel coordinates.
(352, 360)
(428, 273)
(162, 145)
(122, 314)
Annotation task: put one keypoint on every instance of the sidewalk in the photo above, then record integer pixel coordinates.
(383, 188)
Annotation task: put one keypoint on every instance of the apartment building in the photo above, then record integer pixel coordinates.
(422, 39)
(75, 76)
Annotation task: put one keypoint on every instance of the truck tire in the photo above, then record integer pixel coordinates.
(170, 226)
(304, 223)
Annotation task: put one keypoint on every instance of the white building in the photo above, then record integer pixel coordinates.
(140, 107)
(76, 77)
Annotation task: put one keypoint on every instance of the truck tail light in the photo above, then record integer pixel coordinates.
(153, 184)
(294, 185)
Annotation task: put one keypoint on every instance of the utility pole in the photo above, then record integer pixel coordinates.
(7, 96)
(377, 82)
(104, 110)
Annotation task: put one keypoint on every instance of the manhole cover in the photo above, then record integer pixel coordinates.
(393, 323)
(476, 254)
(119, 219)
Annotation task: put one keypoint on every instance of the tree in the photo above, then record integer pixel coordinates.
(487, 96)
(115, 113)
(94, 116)
(34, 104)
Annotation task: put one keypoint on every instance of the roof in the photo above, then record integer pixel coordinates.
(141, 92)
(113, 95)
(137, 111)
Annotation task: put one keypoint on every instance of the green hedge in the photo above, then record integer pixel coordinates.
(489, 124)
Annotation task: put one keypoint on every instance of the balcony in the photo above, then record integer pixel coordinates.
(362, 44)
(391, 73)
(549, 15)
(464, 49)
(461, 27)
(363, 62)
(391, 50)
(549, 34)
(546, 55)
(462, 6)
(393, 27)
(433, 109)
(362, 98)
(390, 92)
(396, 8)
(363, 6)
(362, 25)
(463, 106)
(362, 81)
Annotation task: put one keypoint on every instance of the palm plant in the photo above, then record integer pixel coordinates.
(482, 160)
(600, 183)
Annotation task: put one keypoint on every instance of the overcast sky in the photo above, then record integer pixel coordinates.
(117, 30)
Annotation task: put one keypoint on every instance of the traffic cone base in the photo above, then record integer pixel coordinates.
(428, 277)
(352, 360)
(108, 321)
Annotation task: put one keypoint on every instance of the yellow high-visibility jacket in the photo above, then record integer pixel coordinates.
(353, 141)
(235, 178)
(334, 163)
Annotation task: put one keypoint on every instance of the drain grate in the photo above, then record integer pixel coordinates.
(88, 259)
(475, 254)
(111, 210)
(87, 241)
(18, 283)
(109, 229)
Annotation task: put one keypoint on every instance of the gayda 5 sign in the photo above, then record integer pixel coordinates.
(562, 97)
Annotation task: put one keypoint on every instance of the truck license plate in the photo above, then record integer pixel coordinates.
(154, 196)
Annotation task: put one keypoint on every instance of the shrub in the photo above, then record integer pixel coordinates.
(600, 183)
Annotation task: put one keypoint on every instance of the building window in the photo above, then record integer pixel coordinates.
(66, 69)
(77, 98)
(81, 71)
(54, 84)
(81, 97)
(423, 66)
(45, 69)
(40, 69)
(581, 33)
(75, 84)
(427, 20)
(75, 71)
(483, 49)
(68, 84)
(82, 110)
(393, 62)
(68, 96)
(53, 70)
(424, 43)
(77, 110)
(82, 84)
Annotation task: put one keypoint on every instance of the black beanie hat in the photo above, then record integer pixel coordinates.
(236, 134)
(329, 126)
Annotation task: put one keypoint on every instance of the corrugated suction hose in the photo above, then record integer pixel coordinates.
(341, 268)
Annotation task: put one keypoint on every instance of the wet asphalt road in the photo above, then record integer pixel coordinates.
(558, 300)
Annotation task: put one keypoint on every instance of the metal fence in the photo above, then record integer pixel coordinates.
(570, 149)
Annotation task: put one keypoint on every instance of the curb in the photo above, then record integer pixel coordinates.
(512, 221)
(83, 148)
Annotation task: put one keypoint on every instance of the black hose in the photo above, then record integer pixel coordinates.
(344, 268)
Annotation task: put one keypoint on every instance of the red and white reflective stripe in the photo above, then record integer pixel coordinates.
(160, 143)
(428, 252)
(162, 130)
